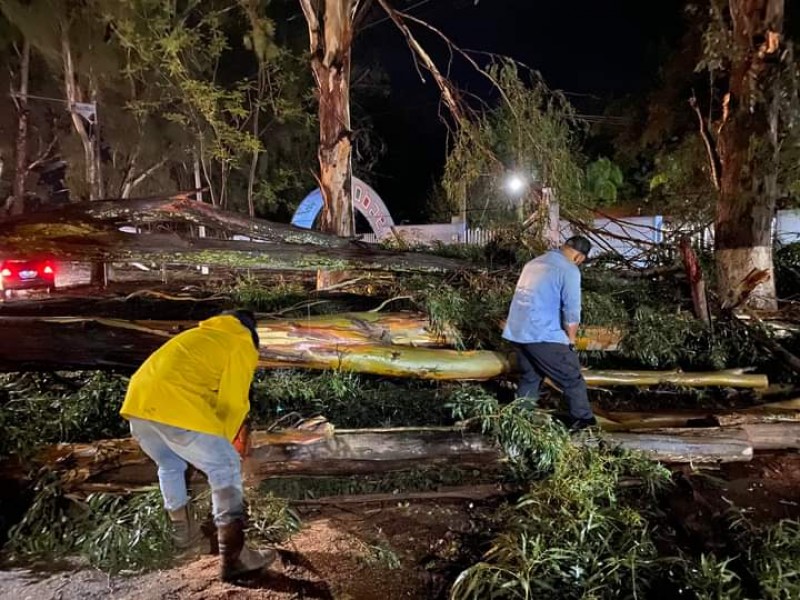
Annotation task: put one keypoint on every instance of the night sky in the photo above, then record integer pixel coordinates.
(594, 51)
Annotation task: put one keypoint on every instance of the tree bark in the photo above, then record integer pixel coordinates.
(330, 34)
(21, 145)
(748, 149)
(180, 208)
(696, 283)
(73, 94)
(352, 452)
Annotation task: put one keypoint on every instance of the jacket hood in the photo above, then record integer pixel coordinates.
(230, 323)
(226, 323)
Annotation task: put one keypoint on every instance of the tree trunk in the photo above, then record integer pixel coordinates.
(748, 149)
(21, 144)
(40, 343)
(330, 64)
(118, 464)
(74, 95)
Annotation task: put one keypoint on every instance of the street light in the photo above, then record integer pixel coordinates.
(515, 183)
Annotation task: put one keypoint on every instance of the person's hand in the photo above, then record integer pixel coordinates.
(572, 347)
(242, 440)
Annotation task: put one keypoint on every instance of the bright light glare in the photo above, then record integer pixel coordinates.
(515, 184)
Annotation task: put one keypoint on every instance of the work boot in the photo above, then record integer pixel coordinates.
(185, 533)
(237, 560)
(581, 424)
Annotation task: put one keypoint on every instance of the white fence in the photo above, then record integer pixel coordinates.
(631, 237)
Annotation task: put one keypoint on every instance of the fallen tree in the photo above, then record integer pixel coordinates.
(29, 343)
(116, 465)
(91, 232)
(36, 343)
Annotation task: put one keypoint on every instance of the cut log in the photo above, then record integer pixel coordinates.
(696, 446)
(120, 463)
(774, 412)
(773, 436)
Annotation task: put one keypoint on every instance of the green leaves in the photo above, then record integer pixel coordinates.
(603, 181)
(533, 132)
(575, 533)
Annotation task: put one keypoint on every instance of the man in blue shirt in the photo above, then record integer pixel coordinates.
(543, 323)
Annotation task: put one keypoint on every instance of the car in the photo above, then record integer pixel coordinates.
(26, 275)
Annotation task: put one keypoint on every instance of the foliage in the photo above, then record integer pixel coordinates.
(248, 292)
(381, 553)
(42, 408)
(531, 134)
(111, 532)
(787, 271)
(575, 533)
(270, 518)
(773, 555)
(663, 340)
(603, 181)
(124, 532)
(345, 399)
(177, 80)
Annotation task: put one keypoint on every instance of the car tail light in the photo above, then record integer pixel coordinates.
(48, 270)
(6, 272)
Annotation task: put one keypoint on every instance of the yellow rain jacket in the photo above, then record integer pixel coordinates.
(199, 380)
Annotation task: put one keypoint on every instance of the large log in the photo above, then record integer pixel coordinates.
(480, 365)
(120, 464)
(695, 446)
(775, 412)
(179, 208)
(39, 343)
(91, 232)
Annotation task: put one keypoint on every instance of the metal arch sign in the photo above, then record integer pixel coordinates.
(365, 200)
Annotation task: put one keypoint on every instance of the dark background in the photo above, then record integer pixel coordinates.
(593, 51)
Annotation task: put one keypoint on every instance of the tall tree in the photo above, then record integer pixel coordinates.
(746, 50)
(330, 39)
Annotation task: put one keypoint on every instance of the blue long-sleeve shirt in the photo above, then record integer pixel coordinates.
(547, 298)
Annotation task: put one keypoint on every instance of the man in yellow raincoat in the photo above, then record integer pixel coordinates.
(185, 405)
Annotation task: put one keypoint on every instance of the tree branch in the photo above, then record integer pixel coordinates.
(714, 162)
(446, 88)
(133, 183)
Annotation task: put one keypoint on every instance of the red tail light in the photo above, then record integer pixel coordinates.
(48, 270)
(6, 272)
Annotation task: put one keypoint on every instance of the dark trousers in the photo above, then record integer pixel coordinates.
(558, 362)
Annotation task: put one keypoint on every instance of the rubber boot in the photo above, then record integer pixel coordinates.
(237, 560)
(185, 533)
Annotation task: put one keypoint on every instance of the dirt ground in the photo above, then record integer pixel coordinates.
(414, 550)
(363, 553)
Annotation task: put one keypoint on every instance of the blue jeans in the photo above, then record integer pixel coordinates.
(173, 448)
(561, 364)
